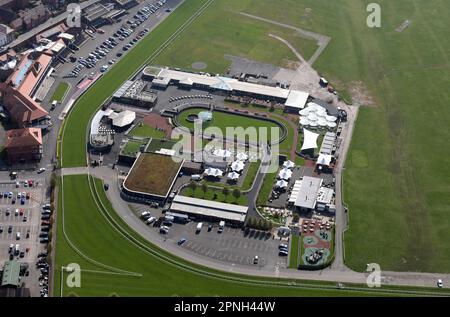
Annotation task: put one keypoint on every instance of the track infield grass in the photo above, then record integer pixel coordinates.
(90, 230)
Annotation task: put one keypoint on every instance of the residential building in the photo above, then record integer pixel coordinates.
(23, 145)
(7, 35)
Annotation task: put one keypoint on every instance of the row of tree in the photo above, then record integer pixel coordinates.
(225, 190)
(259, 224)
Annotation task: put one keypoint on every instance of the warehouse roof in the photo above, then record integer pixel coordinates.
(209, 208)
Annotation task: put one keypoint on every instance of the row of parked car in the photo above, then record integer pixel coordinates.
(44, 267)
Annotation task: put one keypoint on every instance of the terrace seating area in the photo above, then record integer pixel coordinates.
(173, 99)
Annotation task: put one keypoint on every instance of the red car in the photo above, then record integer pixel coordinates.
(21, 212)
(28, 196)
(30, 183)
(45, 222)
(101, 31)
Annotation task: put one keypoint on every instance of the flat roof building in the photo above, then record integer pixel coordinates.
(307, 193)
(164, 76)
(207, 209)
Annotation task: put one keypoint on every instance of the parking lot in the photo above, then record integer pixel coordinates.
(233, 246)
(20, 225)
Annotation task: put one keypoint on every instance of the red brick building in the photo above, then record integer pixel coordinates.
(23, 145)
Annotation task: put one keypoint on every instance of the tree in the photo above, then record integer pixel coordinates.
(236, 193)
(193, 185)
(226, 191)
(205, 187)
(295, 218)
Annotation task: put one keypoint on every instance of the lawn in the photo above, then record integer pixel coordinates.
(145, 131)
(153, 174)
(98, 236)
(396, 177)
(224, 120)
(266, 188)
(74, 137)
(293, 255)
(133, 147)
(222, 30)
(60, 92)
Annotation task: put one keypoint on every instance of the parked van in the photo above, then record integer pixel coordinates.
(17, 249)
(199, 227)
(221, 226)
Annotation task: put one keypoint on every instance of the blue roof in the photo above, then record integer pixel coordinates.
(22, 72)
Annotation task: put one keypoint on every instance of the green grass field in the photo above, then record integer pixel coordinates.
(222, 30)
(119, 261)
(396, 177)
(224, 120)
(293, 256)
(60, 92)
(132, 147)
(146, 131)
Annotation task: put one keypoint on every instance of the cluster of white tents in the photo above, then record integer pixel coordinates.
(285, 174)
(213, 172)
(222, 153)
(236, 167)
(315, 115)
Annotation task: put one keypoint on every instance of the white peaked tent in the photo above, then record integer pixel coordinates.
(124, 118)
(331, 124)
(285, 174)
(222, 153)
(237, 166)
(331, 118)
(281, 184)
(241, 156)
(324, 159)
(214, 172)
(233, 175)
(309, 140)
(288, 164)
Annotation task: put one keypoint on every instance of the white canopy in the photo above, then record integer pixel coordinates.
(331, 124)
(285, 174)
(233, 175)
(322, 122)
(288, 164)
(241, 156)
(222, 153)
(214, 172)
(237, 166)
(304, 121)
(281, 184)
(312, 116)
(304, 112)
(331, 118)
(124, 118)
(309, 140)
(324, 159)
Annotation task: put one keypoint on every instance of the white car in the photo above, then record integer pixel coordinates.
(255, 259)
(150, 220)
(41, 170)
(164, 229)
(440, 284)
